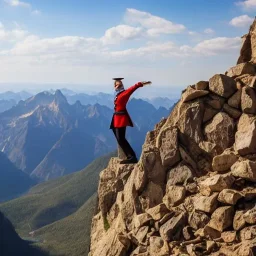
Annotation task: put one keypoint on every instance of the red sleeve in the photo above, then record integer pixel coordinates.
(128, 92)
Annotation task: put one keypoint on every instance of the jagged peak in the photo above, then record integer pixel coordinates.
(59, 97)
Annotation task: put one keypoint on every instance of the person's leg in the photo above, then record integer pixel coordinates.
(120, 137)
(119, 140)
(124, 144)
(127, 146)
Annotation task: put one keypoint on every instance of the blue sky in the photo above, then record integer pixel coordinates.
(47, 43)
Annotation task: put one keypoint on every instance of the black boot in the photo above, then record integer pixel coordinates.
(130, 160)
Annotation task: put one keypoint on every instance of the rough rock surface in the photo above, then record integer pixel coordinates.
(193, 191)
(222, 85)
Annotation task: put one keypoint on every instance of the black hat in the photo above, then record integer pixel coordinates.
(118, 79)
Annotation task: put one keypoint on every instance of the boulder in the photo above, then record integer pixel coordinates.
(246, 49)
(248, 233)
(141, 235)
(228, 236)
(152, 195)
(190, 120)
(192, 188)
(188, 233)
(158, 212)
(187, 158)
(220, 131)
(241, 69)
(209, 147)
(111, 244)
(245, 169)
(222, 218)
(180, 175)
(250, 216)
(140, 177)
(232, 112)
(166, 217)
(198, 219)
(191, 94)
(222, 85)
(174, 196)
(248, 100)
(142, 219)
(235, 100)
(245, 137)
(157, 246)
(249, 193)
(202, 85)
(112, 181)
(206, 203)
(209, 113)
(215, 103)
(168, 146)
(152, 165)
(229, 196)
(208, 232)
(216, 183)
(173, 227)
(244, 80)
(223, 162)
(239, 222)
(246, 248)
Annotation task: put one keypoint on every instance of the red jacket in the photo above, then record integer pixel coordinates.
(123, 119)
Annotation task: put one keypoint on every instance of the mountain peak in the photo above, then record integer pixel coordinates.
(60, 98)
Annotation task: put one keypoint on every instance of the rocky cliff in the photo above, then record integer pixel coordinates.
(193, 191)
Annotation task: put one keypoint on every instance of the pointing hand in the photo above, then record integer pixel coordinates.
(146, 82)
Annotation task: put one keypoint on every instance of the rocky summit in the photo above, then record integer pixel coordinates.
(193, 191)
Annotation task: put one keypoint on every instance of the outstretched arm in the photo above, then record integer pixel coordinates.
(128, 92)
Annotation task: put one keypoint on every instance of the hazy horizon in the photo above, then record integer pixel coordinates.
(146, 92)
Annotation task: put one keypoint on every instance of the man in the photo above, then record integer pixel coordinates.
(121, 118)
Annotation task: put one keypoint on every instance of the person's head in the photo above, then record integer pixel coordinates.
(118, 84)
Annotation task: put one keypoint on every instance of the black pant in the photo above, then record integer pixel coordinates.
(122, 141)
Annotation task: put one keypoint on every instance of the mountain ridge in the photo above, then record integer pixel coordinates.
(45, 128)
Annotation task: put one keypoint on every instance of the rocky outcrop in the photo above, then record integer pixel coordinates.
(193, 191)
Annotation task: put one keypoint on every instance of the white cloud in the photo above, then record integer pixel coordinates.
(208, 31)
(17, 3)
(13, 35)
(248, 5)
(72, 50)
(217, 45)
(121, 32)
(169, 49)
(155, 25)
(241, 21)
(192, 33)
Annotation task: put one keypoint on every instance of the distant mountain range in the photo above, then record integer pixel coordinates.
(17, 96)
(46, 137)
(10, 99)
